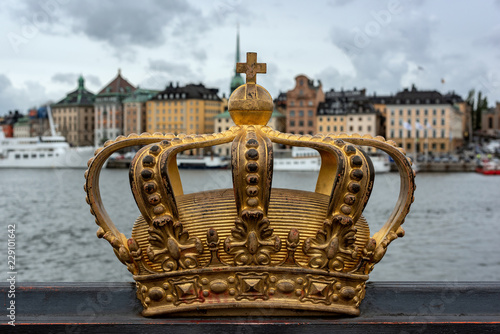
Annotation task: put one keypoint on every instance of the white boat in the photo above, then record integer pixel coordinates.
(297, 159)
(42, 152)
(308, 159)
(380, 162)
(201, 162)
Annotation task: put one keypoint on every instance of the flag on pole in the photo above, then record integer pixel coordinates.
(419, 126)
(407, 126)
(428, 126)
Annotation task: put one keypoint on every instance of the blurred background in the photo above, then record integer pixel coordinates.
(425, 74)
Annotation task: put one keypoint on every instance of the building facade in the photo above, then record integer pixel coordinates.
(108, 109)
(424, 120)
(491, 122)
(74, 116)
(186, 109)
(348, 112)
(301, 105)
(134, 107)
(22, 128)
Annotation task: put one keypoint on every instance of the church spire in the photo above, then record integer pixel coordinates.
(81, 82)
(237, 78)
(237, 46)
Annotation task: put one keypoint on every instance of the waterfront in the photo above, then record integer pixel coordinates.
(452, 231)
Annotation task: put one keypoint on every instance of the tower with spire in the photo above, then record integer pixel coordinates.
(109, 111)
(74, 115)
(237, 79)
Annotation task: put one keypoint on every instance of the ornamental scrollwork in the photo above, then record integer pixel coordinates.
(331, 244)
(171, 246)
(252, 240)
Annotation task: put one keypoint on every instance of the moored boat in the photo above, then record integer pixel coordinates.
(489, 167)
(307, 159)
(42, 152)
(201, 162)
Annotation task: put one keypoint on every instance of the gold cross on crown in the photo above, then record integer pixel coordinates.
(251, 68)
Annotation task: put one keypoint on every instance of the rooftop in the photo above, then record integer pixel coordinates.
(118, 85)
(190, 91)
(80, 96)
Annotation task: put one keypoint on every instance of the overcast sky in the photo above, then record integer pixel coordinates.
(382, 46)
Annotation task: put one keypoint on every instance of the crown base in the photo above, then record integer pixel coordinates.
(255, 290)
(246, 309)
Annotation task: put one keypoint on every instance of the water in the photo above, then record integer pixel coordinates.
(452, 231)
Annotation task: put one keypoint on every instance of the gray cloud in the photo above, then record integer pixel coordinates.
(132, 23)
(71, 79)
(93, 80)
(385, 51)
(200, 55)
(340, 3)
(66, 78)
(175, 70)
(155, 81)
(32, 94)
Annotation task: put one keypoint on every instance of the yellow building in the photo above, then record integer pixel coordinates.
(331, 123)
(421, 120)
(134, 109)
(347, 112)
(190, 109)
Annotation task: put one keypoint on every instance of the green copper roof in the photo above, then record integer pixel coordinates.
(141, 95)
(225, 114)
(80, 96)
(236, 82)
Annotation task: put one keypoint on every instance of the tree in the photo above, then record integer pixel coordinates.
(476, 108)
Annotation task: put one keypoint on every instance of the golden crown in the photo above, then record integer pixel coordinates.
(234, 252)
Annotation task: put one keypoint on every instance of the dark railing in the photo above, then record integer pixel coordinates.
(389, 307)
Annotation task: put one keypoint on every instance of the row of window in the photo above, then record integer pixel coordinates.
(56, 110)
(417, 112)
(301, 123)
(310, 113)
(180, 119)
(172, 96)
(301, 103)
(418, 101)
(417, 133)
(34, 155)
(341, 128)
(341, 119)
(442, 146)
(434, 122)
(171, 127)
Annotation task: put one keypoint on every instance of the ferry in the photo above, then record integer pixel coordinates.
(42, 152)
(308, 159)
(201, 162)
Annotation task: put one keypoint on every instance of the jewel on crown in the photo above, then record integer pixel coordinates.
(233, 252)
